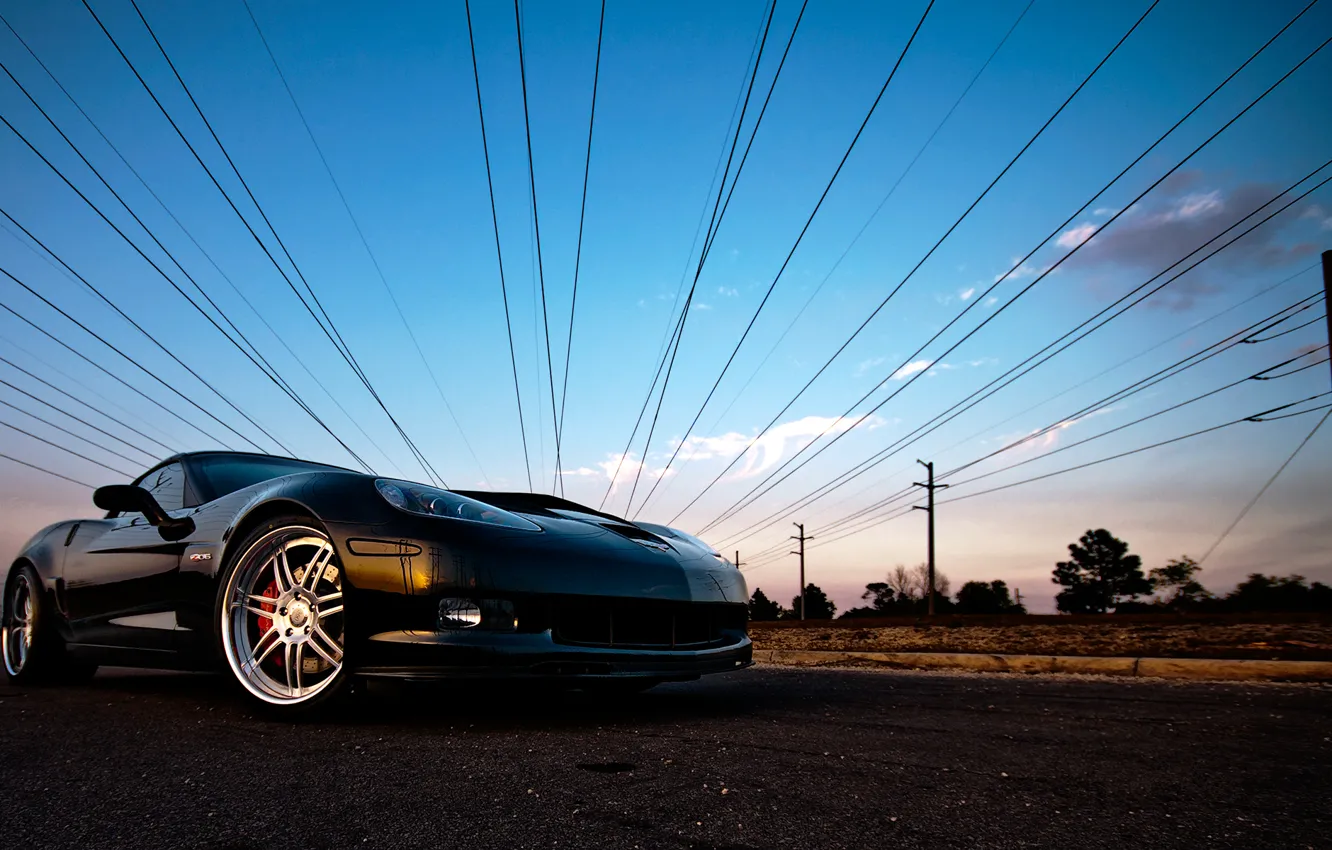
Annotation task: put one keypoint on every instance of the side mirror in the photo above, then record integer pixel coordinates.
(127, 498)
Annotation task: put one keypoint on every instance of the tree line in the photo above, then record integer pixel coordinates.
(903, 592)
(1101, 576)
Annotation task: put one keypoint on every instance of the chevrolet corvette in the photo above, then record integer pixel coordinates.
(298, 578)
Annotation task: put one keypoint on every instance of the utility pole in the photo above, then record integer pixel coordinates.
(1327, 296)
(737, 559)
(802, 538)
(930, 487)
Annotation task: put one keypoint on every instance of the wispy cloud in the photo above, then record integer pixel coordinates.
(1189, 215)
(728, 291)
(1319, 214)
(769, 449)
(627, 470)
(912, 368)
(1050, 438)
(1104, 212)
(1019, 272)
(701, 306)
(866, 365)
(1076, 236)
(966, 294)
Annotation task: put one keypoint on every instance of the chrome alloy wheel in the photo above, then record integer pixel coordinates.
(282, 618)
(18, 628)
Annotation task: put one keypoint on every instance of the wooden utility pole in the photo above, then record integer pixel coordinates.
(802, 538)
(737, 559)
(1327, 297)
(930, 487)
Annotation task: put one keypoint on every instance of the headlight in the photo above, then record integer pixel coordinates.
(431, 501)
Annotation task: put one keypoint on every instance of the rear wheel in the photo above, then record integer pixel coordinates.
(34, 652)
(281, 620)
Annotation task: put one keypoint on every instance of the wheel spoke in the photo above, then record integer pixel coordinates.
(286, 663)
(267, 649)
(282, 571)
(319, 634)
(262, 600)
(315, 571)
(332, 597)
(336, 609)
(260, 612)
(299, 663)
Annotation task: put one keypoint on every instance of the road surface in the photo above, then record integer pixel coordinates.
(764, 758)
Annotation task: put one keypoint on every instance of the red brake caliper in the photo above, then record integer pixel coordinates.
(270, 592)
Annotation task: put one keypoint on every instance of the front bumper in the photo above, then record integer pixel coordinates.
(537, 656)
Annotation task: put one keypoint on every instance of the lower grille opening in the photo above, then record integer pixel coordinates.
(630, 624)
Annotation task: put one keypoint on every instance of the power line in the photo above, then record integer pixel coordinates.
(345, 350)
(374, 261)
(262, 363)
(817, 206)
(668, 335)
(140, 366)
(346, 354)
(1173, 370)
(582, 215)
(536, 223)
(73, 397)
(1078, 385)
(1259, 417)
(80, 420)
(499, 253)
(44, 469)
(203, 251)
(1253, 418)
(711, 237)
(915, 268)
(103, 369)
(749, 497)
(1126, 425)
(874, 215)
(713, 223)
(990, 388)
(63, 449)
(862, 521)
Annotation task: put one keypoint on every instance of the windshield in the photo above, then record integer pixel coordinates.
(223, 474)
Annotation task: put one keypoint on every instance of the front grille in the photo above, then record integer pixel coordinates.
(632, 623)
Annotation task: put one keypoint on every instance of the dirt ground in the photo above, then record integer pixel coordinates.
(1209, 639)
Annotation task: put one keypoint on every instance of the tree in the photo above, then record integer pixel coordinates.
(818, 605)
(1272, 593)
(1178, 576)
(920, 582)
(900, 581)
(978, 597)
(1100, 575)
(902, 593)
(763, 608)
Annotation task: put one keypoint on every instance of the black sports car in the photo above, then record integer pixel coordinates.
(297, 576)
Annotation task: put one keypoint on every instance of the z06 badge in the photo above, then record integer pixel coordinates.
(201, 556)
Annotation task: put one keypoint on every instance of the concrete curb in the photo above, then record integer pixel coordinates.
(1243, 670)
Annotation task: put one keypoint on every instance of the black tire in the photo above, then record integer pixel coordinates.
(271, 673)
(33, 650)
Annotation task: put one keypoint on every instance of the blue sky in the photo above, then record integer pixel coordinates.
(389, 94)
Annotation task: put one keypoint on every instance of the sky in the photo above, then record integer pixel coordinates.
(389, 96)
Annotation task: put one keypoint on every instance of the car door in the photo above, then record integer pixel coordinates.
(120, 576)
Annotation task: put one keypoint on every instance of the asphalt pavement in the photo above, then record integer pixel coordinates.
(763, 758)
